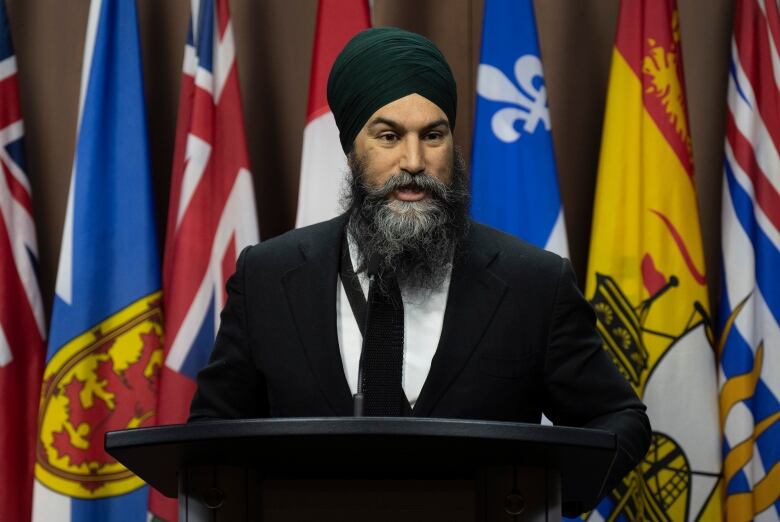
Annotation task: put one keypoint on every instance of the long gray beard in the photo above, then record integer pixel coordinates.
(415, 240)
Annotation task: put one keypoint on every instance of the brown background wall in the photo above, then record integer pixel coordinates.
(274, 42)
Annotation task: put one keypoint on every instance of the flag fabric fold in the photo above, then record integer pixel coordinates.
(105, 341)
(323, 163)
(646, 277)
(22, 330)
(749, 313)
(514, 180)
(211, 212)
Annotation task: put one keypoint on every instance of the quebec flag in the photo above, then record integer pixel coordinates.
(514, 183)
(105, 343)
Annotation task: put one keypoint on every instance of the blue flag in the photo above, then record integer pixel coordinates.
(105, 341)
(514, 182)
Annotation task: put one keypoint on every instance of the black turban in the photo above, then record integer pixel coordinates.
(381, 65)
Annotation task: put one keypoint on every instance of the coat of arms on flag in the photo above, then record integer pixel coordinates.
(105, 341)
(646, 276)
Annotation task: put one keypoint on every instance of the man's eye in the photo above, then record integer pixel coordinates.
(388, 137)
(433, 135)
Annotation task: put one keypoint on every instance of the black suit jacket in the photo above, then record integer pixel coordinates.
(518, 339)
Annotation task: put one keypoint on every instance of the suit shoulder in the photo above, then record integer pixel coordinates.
(521, 265)
(513, 249)
(289, 248)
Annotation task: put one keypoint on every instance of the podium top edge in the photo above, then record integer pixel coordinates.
(362, 426)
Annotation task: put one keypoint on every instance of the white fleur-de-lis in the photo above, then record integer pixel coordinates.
(530, 101)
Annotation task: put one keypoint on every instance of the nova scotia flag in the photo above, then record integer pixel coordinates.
(105, 342)
(514, 181)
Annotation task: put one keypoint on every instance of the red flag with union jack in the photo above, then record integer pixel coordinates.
(22, 330)
(211, 213)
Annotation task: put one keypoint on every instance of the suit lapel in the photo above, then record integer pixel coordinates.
(311, 295)
(474, 295)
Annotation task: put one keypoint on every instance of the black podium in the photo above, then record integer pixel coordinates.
(368, 468)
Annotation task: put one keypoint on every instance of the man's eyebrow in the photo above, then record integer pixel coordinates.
(384, 121)
(440, 121)
(379, 120)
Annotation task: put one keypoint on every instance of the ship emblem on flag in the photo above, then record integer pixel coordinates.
(665, 471)
(646, 277)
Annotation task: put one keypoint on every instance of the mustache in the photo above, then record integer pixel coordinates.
(435, 187)
(417, 240)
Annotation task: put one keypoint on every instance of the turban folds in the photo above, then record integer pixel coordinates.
(381, 65)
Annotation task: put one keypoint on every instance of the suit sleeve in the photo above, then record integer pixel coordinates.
(231, 386)
(584, 387)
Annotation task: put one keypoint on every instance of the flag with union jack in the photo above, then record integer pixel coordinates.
(749, 315)
(22, 329)
(211, 213)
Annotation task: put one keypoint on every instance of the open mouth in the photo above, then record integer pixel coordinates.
(410, 192)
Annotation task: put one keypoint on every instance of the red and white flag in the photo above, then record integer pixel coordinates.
(22, 331)
(211, 213)
(323, 164)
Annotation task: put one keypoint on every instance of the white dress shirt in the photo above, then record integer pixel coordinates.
(423, 320)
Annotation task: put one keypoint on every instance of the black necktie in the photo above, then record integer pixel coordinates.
(383, 348)
(384, 354)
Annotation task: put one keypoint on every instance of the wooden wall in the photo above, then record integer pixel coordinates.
(274, 42)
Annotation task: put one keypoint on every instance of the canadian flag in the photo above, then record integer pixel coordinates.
(323, 164)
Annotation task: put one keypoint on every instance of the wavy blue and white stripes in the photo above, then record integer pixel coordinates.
(749, 313)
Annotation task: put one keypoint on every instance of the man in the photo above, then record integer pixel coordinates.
(478, 324)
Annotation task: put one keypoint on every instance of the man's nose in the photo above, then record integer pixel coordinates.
(413, 158)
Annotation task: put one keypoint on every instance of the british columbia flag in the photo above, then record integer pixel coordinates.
(749, 315)
(22, 329)
(211, 213)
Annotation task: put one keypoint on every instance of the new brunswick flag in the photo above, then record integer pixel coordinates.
(646, 273)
